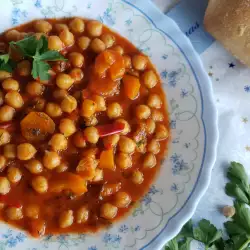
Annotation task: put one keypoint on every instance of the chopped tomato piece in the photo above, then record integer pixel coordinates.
(110, 129)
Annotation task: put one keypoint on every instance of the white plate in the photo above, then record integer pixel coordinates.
(185, 173)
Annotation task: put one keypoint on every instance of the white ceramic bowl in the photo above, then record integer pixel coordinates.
(185, 173)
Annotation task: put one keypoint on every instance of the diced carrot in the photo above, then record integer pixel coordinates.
(36, 126)
(107, 159)
(116, 71)
(131, 86)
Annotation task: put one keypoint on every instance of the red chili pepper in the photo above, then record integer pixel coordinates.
(5, 200)
(10, 126)
(110, 129)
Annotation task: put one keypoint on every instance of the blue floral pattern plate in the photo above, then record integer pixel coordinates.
(185, 172)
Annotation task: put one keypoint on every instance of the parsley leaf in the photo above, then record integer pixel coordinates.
(40, 70)
(50, 55)
(5, 58)
(172, 245)
(5, 63)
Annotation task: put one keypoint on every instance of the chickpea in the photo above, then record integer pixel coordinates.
(123, 161)
(42, 26)
(126, 145)
(1, 98)
(108, 40)
(68, 104)
(10, 84)
(14, 99)
(77, 25)
(90, 121)
(61, 27)
(67, 37)
(149, 160)
(137, 177)
(76, 59)
(91, 134)
(62, 167)
(118, 49)
(32, 211)
(51, 160)
(82, 215)
(4, 185)
(55, 43)
(4, 75)
(34, 166)
(98, 175)
(108, 211)
(127, 128)
(139, 62)
(154, 101)
(60, 94)
(76, 74)
(150, 126)
(14, 174)
(88, 108)
(38, 35)
(228, 211)
(83, 42)
(39, 104)
(9, 151)
(94, 28)
(157, 115)
(14, 213)
(114, 110)
(97, 45)
(122, 199)
(66, 219)
(12, 35)
(154, 147)
(25, 151)
(142, 112)
(78, 140)
(24, 68)
(4, 137)
(127, 62)
(161, 132)
(2, 163)
(64, 81)
(53, 109)
(100, 103)
(67, 127)
(111, 140)
(149, 78)
(40, 184)
(58, 142)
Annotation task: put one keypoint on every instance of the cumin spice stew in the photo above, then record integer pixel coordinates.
(83, 126)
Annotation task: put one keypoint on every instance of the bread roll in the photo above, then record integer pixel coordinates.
(229, 22)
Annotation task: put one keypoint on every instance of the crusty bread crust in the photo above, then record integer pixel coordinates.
(228, 21)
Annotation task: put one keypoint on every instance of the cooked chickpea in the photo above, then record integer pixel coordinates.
(139, 62)
(60, 94)
(122, 199)
(123, 161)
(32, 211)
(154, 101)
(88, 108)
(137, 177)
(90, 121)
(83, 42)
(25, 151)
(77, 25)
(157, 115)
(14, 99)
(58, 142)
(1, 98)
(14, 213)
(40, 184)
(4, 137)
(154, 147)
(42, 26)
(142, 112)
(98, 175)
(67, 127)
(108, 211)
(51, 160)
(118, 49)
(150, 126)
(149, 78)
(4, 185)
(94, 28)
(24, 68)
(127, 128)
(161, 132)
(126, 145)
(39, 104)
(66, 219)
(100, 103)
(14, 174)
(9, 151)
(4, 75)
(34, 88)
(108, 40)
(61, 27)
(62, 167)
(34, 166)
(111, 140)
(10, 84)
(55, 43)
(82, 215)
(91, 134)
(76, 59)
(228, 211)
(114, 110)
(97, 45)
(2, 163)
(76, 74)
(68, 104)
(53, 109)
(78, 140)
(67, 37)
(64, 81)
(149, 160)
(12, 35)
(127, 62)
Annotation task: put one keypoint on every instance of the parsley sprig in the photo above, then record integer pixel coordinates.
(237, 229)
(5, 63)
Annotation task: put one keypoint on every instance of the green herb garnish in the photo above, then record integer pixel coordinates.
(5, 63)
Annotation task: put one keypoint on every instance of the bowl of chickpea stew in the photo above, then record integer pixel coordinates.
(91, 132)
